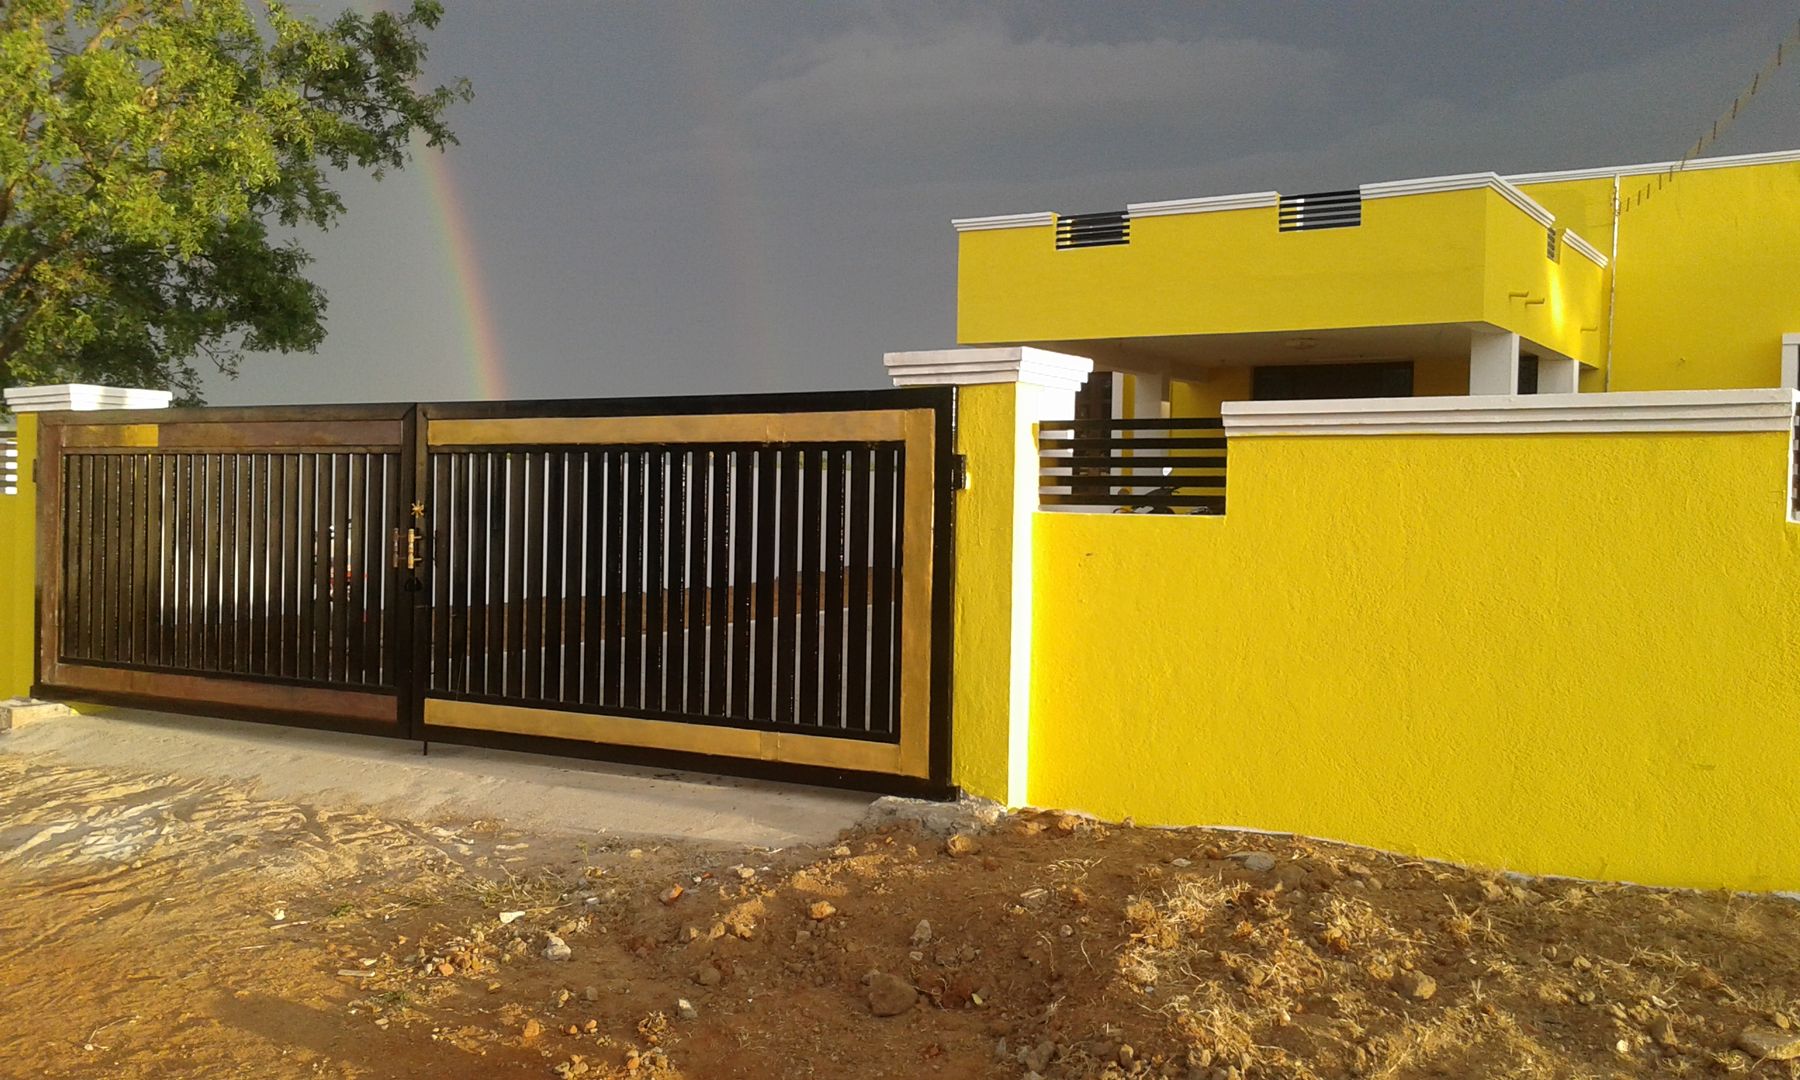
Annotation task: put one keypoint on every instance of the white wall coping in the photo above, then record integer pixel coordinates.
(1206, 204)
(1430, 185)
(1515, 414)
(1005, 221)
(83, 397)
(1727, 161)
(969, 367)
(1577, 243)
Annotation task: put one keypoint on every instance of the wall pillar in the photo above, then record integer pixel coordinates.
(18, 517)
(1558, 375)
(1493, 362)
(1003, 394)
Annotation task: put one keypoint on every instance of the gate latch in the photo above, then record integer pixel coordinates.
(406, 549)
(959, 472)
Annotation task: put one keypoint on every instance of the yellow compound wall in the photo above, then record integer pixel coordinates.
(1568, 654)
(18, 571)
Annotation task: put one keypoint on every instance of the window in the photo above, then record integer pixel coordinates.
(1303, 382)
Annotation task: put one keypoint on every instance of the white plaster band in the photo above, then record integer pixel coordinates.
(1658, 410)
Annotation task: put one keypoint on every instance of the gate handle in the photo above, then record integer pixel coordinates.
(406, 549)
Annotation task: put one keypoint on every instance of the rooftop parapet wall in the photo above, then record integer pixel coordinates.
(1474, 252)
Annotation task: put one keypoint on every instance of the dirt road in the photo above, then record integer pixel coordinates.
(160, 927)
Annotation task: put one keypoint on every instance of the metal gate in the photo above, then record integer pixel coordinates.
(749, 584)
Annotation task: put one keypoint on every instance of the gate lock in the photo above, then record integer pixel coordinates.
(406, 549)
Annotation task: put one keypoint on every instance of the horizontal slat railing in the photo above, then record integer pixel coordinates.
(1160, 465)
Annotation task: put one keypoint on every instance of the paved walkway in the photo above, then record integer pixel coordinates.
(390, 776)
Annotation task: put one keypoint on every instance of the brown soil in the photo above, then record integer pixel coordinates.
(140, 937)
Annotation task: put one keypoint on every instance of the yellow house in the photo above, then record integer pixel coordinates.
(1641, 277)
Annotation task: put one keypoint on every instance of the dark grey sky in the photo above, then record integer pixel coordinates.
(693, 198)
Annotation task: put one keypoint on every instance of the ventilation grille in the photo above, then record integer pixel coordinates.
(1093, 230)
(1551, 249)
(9, 464)
(1321, 210)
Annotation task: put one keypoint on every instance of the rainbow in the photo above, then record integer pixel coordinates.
(487, 361)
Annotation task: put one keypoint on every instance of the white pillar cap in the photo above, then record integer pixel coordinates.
(1007, 364)
(83, 397)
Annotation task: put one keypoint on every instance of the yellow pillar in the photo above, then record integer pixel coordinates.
(18, 554)
(1002, 395)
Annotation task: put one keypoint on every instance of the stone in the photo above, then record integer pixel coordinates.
(821, 910)
(1260, 861)
(531, 1030)
(956, 845)
(1769, 1044)
(686, 1009)
(671, 894)
(921, 935)
(1037, 1059)
(1415, 984)
(890, 995)
(708, 975)
(940, 818)
(842, 851)
(17, 712)
(556, 949)
(508, 917)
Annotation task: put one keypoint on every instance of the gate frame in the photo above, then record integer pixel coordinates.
(408, 693)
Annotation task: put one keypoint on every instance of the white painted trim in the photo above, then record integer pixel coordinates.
(1428, 185)
(1576, 243)
(1790, 361)
(1005, 221)
(1253, 200)
(1516, 414)
(1730, 161)
(969, 367)
(83, 397)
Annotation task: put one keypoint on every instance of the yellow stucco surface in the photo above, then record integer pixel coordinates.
(1408, 642)
(1445, 257)
(18, 550)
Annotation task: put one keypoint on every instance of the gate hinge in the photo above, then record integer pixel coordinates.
(959, 472)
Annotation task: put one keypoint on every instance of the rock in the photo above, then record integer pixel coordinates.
(508, 917)
(821, 910)
(671, 894)
(745, 873)
(1260, 861)
(590, 993)
(941, 818)
(686, 1009)
(1769, 1044)
(531, 1030)
(959, 844)
(921, 935)
(1126, 1055)
(890, 995)
(1037, 1059)
(1415, 984)
(842, 851)
(708, 975)
(556, 949)
(1181, 864)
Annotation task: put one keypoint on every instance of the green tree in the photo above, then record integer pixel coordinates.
(148, 150)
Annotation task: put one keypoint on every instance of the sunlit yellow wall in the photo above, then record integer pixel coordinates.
(18, 572)
(1434, 258)
(1706, 271)
(1407, 641)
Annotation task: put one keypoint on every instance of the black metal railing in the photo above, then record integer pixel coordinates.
(1321, 210)
(1093, 230)
(1160, 466)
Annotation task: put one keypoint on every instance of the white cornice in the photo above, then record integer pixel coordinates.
(1578, 244)
(1732, 161)
(82, 397)
(1659, 410)
(1009, 364)
(1004, 221)
(1426, 185)
(1252, 200)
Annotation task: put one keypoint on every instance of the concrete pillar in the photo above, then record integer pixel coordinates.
(1494, 362)
(1003, 394)
(1790, 361)
(18, 517)
(1558, 375)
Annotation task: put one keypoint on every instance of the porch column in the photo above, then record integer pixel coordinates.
(18, 514)
(1003, 394)
(1493, 362)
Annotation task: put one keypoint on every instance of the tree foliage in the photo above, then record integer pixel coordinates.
(156, 157)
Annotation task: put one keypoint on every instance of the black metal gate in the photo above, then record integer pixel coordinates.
(752, 584)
